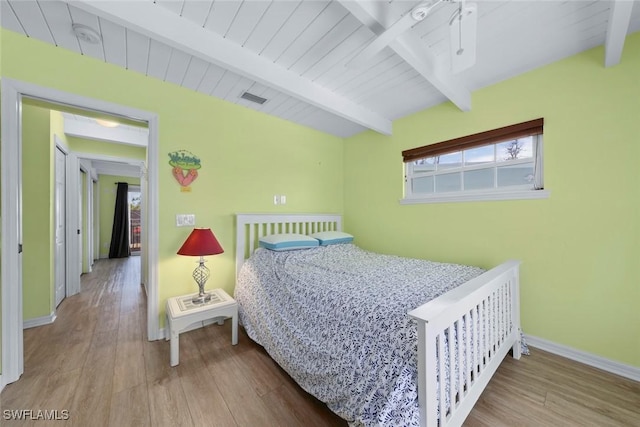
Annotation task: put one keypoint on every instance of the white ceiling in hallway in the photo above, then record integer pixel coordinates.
(295, 53)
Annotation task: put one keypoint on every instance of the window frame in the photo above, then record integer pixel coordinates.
(493, 137)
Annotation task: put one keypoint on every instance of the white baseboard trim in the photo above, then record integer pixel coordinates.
(39, 321)
(599, 362)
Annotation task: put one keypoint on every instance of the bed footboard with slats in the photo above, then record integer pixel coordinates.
(484, 315)
(482, 318)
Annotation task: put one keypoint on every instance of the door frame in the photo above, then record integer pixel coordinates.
(72, 285)
(13, 92)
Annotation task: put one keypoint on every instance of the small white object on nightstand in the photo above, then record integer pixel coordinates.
(183, 312)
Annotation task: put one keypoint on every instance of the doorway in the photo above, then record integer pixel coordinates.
(13, 92)
(135, 219)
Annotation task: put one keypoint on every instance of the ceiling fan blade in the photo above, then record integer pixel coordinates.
(380, 42)
(463, 31)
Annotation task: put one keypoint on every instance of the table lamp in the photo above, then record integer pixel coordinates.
(201, 242)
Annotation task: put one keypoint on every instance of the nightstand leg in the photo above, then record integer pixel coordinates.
(175, 348)
(234, 328)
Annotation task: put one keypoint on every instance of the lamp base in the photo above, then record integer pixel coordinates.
(201, 299)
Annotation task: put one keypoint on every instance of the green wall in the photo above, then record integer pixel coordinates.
(38, 216)
(247, 156)
(107, 185)
(89, 146)
(580, 272)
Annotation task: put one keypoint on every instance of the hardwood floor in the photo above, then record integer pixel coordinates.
(95, 363)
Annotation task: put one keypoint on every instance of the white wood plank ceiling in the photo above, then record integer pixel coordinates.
(294, 53)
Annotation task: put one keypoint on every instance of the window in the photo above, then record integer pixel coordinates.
(499, 164)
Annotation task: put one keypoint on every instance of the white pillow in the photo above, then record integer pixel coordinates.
(287, 242)
(332, 237)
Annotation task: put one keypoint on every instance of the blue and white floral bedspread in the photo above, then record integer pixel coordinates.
(335, 318)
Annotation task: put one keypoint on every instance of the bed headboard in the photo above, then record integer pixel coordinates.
(250, 227)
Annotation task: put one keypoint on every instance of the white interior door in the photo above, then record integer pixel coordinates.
(60, 256)
(90, 224)
(96, 220)
(80, 219)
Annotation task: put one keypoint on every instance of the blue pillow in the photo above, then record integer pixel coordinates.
(332, 237)
(287, 242)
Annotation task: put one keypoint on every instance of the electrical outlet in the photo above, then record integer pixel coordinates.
(185, 220)
(283, 199)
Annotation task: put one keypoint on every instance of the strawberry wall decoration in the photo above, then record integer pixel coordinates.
(185, 167)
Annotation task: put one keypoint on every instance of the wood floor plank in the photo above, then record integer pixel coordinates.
(260, 370)
(245, 405)
(95, 361)
(24, 394)
(59, 390)
(54, 397)
(289, 397)
(589, 381)
(130, 407)
(206, 404)
(168, 406)
(92, 401)
(156, 360)
(590, 411)
(129, 370)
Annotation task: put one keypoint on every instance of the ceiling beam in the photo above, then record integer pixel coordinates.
(617, 27)
(167, 27)
(116, 169)
(372, 14)
(120, 134)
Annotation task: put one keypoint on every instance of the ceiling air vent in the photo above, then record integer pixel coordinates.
(253, 98)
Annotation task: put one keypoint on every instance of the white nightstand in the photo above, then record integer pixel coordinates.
(182, 312)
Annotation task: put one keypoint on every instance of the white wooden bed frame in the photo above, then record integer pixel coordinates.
(493, 298)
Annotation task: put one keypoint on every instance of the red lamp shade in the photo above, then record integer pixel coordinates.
(201, 242)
